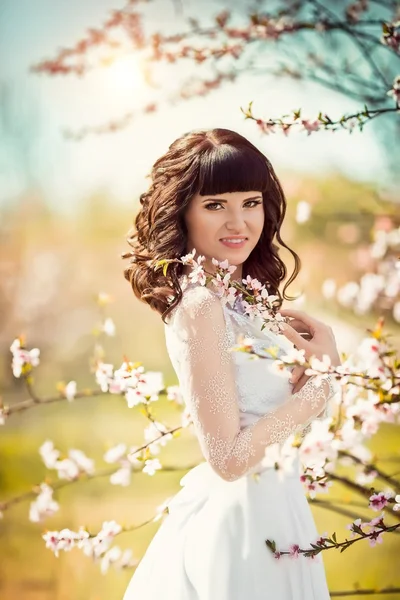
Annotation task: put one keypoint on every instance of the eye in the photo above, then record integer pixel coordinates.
(254, 202)
(212, 204)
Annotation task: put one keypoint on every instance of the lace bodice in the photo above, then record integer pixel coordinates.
(237, 403)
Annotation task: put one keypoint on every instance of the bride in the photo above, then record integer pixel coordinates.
(215, 192)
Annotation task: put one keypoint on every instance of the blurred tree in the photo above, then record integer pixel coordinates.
(351, 48)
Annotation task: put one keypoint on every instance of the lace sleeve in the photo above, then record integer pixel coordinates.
(207, 379)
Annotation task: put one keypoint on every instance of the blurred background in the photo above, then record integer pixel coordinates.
(75, 151)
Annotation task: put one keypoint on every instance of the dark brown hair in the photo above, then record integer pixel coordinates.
(208, 162)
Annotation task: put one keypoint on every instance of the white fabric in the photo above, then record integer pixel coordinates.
(212, 543)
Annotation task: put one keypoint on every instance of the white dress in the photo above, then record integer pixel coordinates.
(211, 545)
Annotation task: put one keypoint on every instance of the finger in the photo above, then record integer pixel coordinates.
(302, 316)
(294, 337)
(299, 326)
(297, 386)
(296, 373)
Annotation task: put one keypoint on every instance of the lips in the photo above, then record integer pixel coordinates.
(238, 244)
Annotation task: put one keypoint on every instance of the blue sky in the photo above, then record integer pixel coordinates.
(42, 106)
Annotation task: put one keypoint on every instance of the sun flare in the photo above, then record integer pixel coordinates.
(126, 73)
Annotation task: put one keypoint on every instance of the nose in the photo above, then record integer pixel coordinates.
(236, 223)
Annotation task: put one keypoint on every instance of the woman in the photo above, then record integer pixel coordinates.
(211, 188)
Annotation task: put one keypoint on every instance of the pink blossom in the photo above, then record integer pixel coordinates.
(294, 550)
(322, 539)
(375, 521)
(64, 539)
(378, 501)
(358, 523)
(252, 284)
(310, 126)
(395, 91)
(198, 275)
(375, 538)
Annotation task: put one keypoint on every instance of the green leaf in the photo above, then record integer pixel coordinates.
(271, 545)
(159, 263)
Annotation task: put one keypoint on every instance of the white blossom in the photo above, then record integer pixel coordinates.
(294, 356)
(44, 505)
(329, 288)
(174, 394)
(115, 453)
(347, 294)
(64, 539)
(83, 462)
(49, 454)
(67, 469)
(303, 211)
(151, 466)
(70, 390)
(109, 327)
(103, 375)
(22, 357)
(121, 477)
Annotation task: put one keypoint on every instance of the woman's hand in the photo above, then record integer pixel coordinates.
(300, 327)
(322, 338)
(297, 377)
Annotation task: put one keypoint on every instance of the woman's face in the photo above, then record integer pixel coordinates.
(210, 219)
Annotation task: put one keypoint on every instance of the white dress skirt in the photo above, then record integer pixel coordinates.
(212, 544)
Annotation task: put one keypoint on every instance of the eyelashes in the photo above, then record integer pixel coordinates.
(255, 202)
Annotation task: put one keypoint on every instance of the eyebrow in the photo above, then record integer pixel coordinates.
(223, 199)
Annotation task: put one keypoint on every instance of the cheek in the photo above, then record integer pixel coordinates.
(258, 221)
(205, 223)
(199, 224)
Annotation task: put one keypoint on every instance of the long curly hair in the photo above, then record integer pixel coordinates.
(208, 162)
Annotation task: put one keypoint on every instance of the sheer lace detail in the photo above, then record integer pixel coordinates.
(199, 342)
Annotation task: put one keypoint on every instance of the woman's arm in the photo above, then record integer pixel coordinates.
(207, 378)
